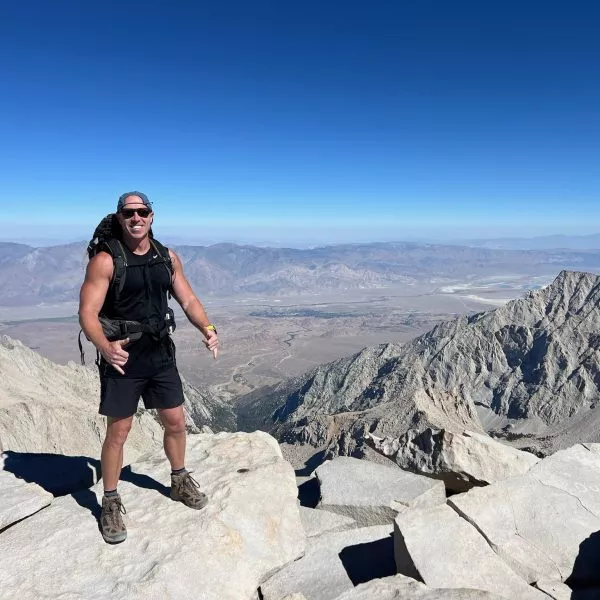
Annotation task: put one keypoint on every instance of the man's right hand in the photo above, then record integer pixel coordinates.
(115, 356)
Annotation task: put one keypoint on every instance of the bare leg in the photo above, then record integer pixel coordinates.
(174, 440)
(184, 488)
(112, 450)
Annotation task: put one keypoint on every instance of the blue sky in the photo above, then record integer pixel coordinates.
(308, 121)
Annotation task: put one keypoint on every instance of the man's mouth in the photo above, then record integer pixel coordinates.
(136, 227)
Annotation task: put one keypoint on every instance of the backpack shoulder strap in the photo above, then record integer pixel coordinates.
(163, 251)
(166, 257)
(116, 250)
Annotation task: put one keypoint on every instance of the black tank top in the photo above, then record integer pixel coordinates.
(144, 299)
(144, 295)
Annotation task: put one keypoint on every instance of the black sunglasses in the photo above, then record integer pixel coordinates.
(129, 212)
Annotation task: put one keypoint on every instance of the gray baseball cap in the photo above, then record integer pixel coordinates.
(143, 197)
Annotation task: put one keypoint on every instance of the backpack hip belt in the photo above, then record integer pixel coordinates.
(119, 329)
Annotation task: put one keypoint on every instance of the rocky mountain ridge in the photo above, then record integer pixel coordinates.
(529, 367)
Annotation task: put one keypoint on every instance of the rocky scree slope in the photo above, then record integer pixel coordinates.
(529, 368)
(206, 411)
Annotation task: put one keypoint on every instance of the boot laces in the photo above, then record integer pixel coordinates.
(114, 508)
(190, 483)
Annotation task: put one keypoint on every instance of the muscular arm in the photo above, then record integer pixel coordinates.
(191, 305)
(91, 298)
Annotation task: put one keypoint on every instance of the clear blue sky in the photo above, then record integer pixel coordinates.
(312, 120)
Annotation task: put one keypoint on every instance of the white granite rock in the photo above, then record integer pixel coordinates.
(560, 591)
(249, 529)
(555, 589)
(334, 563)
(443, 550)
(461, 460)
(373, 494)
(19, 499)
(540, 523)
(316, 522)
(399, 587)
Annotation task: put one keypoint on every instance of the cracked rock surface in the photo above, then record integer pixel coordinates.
(539, 521)
(250, 529)
(443, 550)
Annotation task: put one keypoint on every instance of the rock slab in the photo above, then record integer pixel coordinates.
(373, 494)
(19, 499)
(440, 548)
(317, 522)
(249, 529)
(400, 587)
(545, 523)
(335, 563)
(461, 460)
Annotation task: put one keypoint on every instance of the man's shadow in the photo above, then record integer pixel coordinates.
(585, 577)
(71, 475)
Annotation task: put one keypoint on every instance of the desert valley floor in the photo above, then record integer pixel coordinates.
(265, 339)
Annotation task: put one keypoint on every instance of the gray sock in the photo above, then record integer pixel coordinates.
(181, 471)
(111, 493)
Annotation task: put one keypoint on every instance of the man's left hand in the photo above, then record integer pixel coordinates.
(212, 342)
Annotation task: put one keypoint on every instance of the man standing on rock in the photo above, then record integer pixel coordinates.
(128, 321)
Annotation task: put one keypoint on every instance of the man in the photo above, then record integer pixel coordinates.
(145, 367)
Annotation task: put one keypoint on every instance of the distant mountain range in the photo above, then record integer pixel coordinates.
(29, 276)
(544, 242)
(528, 370)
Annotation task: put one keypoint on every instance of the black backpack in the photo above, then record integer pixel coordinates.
(107, 238)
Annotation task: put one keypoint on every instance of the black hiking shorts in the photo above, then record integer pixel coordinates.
(119, 394)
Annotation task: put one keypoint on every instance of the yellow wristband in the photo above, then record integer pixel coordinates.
(211, 327)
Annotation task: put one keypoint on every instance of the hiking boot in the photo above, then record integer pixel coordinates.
(111, 522)
(185, 488)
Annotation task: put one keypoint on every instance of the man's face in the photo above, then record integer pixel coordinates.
(134, 225)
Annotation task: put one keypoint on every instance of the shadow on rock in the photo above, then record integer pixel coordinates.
(61, 475)
(87, 498)
(144, 481)
(311, 464)
(585, 578)
(57, 474)
(309, 493)
(372, 560)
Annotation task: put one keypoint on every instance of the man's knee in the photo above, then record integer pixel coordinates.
(173, 420)
(117, 430)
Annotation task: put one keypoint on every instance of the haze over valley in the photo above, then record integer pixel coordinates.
(281, 312)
